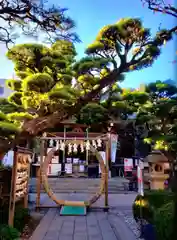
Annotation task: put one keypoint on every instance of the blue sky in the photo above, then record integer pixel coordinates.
(91, 15)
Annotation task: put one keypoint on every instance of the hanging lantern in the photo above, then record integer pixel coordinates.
(87, 145)
(164, 42)
(75, 147)
(62, 146)
(82, 148)
(69, 148)
(99, 141)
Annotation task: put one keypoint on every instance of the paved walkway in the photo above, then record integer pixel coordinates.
(94, 226)
(97, 225)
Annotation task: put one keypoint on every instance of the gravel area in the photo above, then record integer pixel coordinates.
(131, 223)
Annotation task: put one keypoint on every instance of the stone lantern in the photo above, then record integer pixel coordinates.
(158, 169)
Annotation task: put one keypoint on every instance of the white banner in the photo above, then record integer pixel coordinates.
(8, 158)
(103, 155)
(140, 179)
(114, 139)
(128, 164)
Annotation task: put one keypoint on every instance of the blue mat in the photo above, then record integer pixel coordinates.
(73, 211)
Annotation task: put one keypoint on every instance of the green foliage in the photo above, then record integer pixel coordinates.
(46, 74)
(7, 107)
(7, 128)
(153, 200)
(142, 209)
(92, 113)
(21, 218)
(39, 82)
(2, 116)
(128, 32)
(9, 233)
(163, 221)
(15, 98)
(14, 85)
(162, 125)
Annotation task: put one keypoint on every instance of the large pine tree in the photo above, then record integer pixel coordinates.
(118, 48)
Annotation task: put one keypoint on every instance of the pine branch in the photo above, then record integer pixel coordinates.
(32, 18)
(161, 6)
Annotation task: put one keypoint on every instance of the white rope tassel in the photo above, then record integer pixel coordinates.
(69, 148)
(57, 145)
(62, 146)
(82, 147)
(51, 143)
(75, 147)
(94, 144)
(87, 145)
(99, 141)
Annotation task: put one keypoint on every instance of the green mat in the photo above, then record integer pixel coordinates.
(73, 211)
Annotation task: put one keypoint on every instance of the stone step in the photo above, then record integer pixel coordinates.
(68, 190)
(66, 185)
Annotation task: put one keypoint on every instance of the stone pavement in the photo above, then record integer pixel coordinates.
(94, 226)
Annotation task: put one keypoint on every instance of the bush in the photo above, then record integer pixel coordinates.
(163, 221)
(9, 233)
(154, 199)
(142, 209)
(21, 218)
(157, 198)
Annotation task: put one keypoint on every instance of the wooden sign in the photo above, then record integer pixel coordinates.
(20, 180)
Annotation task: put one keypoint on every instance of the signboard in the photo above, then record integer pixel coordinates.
(19, 180)
(140, 179)
(68, 168)
(81, 168)
(54, 169)
(128, 164)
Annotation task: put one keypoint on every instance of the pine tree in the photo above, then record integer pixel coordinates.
(31, 18)
(118, 48)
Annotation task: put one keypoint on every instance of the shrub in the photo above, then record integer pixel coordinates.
(163, 221)
(21, 218)
(154, 199)
(142, 209)
(157, 198)
(9, 233)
